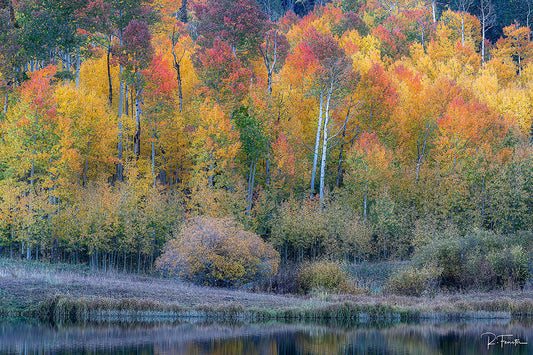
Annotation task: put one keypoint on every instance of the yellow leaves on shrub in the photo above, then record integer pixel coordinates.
(218, 252)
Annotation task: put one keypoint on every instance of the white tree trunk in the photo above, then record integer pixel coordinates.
(463, 29)
(325, 146)
(317, 142)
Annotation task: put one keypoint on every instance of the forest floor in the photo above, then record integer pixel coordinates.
(26, 286)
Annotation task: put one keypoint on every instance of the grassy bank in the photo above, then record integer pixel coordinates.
(62, 293)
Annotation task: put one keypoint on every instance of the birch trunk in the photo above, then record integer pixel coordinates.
(325, 146)
(317, 142)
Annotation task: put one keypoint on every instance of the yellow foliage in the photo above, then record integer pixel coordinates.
(88, 132)
(364, 51)
(218, 252)
(516, 102)
(93, 77)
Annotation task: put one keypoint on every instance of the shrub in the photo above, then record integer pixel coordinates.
(218, 252)
(326, 275)
(413, 281)
(481, 259)
(511, 265)
(284, 281)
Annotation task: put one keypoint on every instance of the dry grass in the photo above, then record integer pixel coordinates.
(26, 287)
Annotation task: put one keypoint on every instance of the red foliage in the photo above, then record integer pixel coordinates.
(221, 71)
(239, 22)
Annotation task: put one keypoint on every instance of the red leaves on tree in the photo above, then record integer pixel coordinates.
(137, 49)
(241, 23)
(161, 79)
(221, 71)
(399, 32)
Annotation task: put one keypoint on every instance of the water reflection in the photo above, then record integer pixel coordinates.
(18, 337)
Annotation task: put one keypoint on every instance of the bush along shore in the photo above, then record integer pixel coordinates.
(74, 294)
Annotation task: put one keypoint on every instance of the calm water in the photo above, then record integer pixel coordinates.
(273, 338)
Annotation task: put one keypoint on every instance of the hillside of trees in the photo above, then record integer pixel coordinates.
(355, 130)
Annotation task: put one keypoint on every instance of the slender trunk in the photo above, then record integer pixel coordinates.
(126, 101)
(109, 76)
(132, 103)
(463, 29)
(365, 198)
(267, 170)
(421, 151)
(251, 185)
(180, 93)
(325, 146)
(483, 42)
(483, 30)
(78, 64)
(317, 142)
(211, 170)
(153, 154)
(120, 173)
(269, 83)
(182, 14)
(138, 113)
(139, 261)
(176, 61)
(483, 200)
(339, 166)
(6, 100)
(12, 239)
(11, 20)
(434, 11)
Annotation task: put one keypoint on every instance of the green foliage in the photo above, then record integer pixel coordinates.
(306, 229)
(218, 252)
(481, 260)
(254, 141)
(511, 265)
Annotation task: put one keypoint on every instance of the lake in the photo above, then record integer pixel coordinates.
(20, 337)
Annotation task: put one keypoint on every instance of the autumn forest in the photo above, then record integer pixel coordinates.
(351, 130)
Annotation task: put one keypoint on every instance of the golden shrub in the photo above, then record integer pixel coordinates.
(327, 275)
(218, 252)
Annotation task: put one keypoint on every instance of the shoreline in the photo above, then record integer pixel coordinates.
(72, 294)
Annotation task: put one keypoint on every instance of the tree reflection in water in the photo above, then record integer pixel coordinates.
(268, 338)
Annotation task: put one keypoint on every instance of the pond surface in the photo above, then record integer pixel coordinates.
(17, 337)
